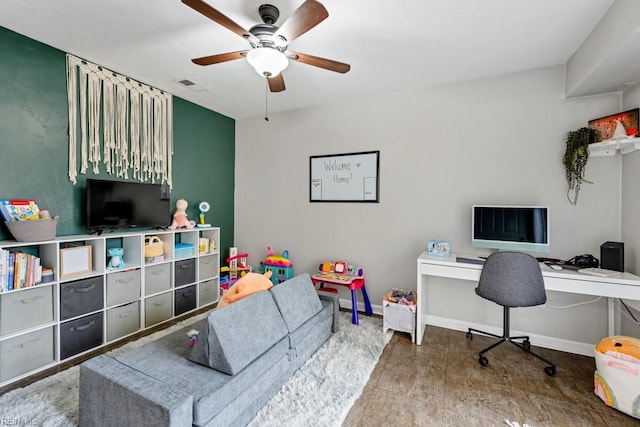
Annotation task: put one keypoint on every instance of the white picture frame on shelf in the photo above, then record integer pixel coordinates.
(75, 261)
(439, 248)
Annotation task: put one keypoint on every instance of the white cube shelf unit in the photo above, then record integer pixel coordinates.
(88, 304)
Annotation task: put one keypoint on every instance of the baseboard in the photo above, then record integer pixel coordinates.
(346, 303)
(585, 349)
(575, 347)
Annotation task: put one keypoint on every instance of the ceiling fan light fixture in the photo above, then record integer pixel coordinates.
(267, 61)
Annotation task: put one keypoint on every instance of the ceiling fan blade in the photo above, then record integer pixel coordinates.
(221, 57)
(308, 15)
(316, 61)
(217, 16)
(276, 84)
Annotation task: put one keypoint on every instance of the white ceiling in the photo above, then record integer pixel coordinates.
(390, 45)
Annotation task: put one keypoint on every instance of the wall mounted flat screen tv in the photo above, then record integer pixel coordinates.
(121, 204)
(517, 228)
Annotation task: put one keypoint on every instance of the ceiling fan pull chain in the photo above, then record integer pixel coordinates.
(266, 100)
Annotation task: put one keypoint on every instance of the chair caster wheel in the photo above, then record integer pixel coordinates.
(483, 361)
(469, 336)
(550, 370)
(526, 344)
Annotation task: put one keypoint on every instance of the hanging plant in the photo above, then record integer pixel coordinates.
(576, 157)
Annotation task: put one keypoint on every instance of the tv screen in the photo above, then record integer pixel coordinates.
(518, 228)
(119, 204)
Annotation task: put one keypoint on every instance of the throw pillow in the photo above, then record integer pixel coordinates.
(235, 336)
(297, 300)
(248, 284)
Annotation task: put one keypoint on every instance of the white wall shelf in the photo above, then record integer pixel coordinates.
(48, 324)
(609, 148)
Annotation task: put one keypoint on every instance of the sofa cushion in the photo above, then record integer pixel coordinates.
(310, 336)
(297, 300)
(237, 334)
(215, 394)
(112, 393)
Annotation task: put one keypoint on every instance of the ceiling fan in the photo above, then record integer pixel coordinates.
(269, 53)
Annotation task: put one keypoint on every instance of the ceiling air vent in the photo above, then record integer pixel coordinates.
(191, 85)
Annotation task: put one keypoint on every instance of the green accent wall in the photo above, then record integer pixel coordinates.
(34, 143)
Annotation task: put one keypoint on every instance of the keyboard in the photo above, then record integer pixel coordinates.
(469, 260)
(600, 272)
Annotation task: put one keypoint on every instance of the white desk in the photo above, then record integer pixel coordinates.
(625, 285)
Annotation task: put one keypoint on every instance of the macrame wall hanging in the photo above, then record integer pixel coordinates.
(136, 121)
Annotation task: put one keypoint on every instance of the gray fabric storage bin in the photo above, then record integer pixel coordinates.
(185, 300)
(24, 309)
(157, 278)
(158, 309)
(26, 352)
(80, 335)
(207, 267)
(185, 272)
(123, 287)
(207, 292)
(123, 320)
(81, 297)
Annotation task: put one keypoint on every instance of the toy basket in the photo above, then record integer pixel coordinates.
(34, 230)
(153, 247)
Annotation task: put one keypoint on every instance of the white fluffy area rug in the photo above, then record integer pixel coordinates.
(320, 393)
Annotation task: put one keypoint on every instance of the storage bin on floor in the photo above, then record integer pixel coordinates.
(399, 317)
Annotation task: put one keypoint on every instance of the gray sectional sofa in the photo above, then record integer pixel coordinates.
(244, 353)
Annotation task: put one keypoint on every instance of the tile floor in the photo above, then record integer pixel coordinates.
(441, 383)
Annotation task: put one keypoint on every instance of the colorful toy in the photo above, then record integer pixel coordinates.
(236, 268)
(401, 296)
(115, 258)
(193, 336)
(203, 207)
(342, 273)
(245, 286)
(280, 266)
(180, 219)
(617, 377)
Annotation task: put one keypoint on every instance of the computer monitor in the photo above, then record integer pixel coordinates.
(517, 228)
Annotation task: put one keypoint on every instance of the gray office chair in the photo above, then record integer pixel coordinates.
(511, 279)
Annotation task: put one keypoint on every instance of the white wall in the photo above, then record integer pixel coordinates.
(630, 194)
(631, 212)
(497, 140)
(603, 62)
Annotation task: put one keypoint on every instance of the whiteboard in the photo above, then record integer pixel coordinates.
(351, 177)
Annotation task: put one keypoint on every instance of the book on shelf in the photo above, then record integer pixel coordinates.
(11, 271)
(19, 270)
(4, 213)
(19, 210)
(17, 279)
(3, 270)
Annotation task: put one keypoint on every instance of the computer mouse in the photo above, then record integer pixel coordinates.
(555, 266)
